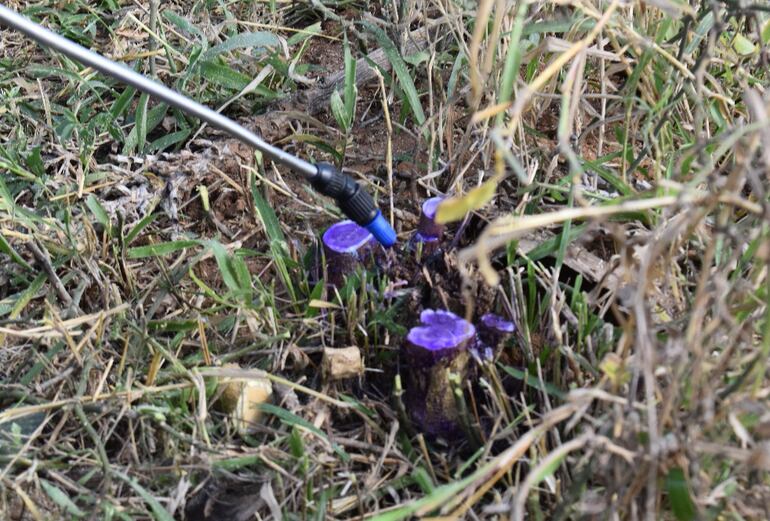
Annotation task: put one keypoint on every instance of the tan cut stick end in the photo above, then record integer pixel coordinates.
(241, 399)
(341, 363)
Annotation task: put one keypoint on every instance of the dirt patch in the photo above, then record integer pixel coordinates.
(324, 55)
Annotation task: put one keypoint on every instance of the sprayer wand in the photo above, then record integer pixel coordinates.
(353, 200)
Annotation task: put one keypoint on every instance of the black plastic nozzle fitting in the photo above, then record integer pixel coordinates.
(354, 202)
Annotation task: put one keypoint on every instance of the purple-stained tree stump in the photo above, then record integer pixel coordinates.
(428, 227)
(346, 246)
(429, 232)
(494, 330)
(431, 352)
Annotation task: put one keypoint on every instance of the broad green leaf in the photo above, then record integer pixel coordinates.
(21, 214)
(157, 250)
(315, 295)
(703, 28)
(455, 208)
(549, 469)
(258, 39)
(184, 25)
(513, 58)
(402, 73)
(224, 76)
(296, 443)
(228, 266)
(550, 246)
(435, 499)
(25, 297)
(138, 227)
(272, 227)
(606, 173)
(679, 495)
(612, 367)
(225, 267)
(743, 45)
(457, 68)
(338, 110)
(168, 140)
(417, 58)
(35, 162)
(61, 499)
(18, 170)
(122, 102)
(267, 217)
(423, 480)
(350, 86)
(766, 32)
(141, 122)
(102, 217)
(322, 304)
(304, 34)
(152, 119)
(203, 191)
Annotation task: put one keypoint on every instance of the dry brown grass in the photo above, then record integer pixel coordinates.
(628, 135)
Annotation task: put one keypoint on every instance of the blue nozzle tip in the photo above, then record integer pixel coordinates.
(381, 229)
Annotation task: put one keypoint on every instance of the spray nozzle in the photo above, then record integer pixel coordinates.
(354, 202)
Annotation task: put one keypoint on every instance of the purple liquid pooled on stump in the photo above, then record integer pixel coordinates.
(498, 323)
(446, 321)
(430, 206)
(428, 229)
(346, 237)
(431, 352)
(346, 245)
(493, 332)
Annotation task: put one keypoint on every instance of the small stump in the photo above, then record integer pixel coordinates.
(494, 330)
(431, 353)
(346, 246)
(429, 233)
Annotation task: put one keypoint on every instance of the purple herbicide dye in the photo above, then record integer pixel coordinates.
(431, 352)
(428, 227)
(438, 319)
(493, 330)
(429, 233)
(346, 245)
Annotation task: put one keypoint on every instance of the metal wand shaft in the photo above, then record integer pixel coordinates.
(158, 91)
(353, 200)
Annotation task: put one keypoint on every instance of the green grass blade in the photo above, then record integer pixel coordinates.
(223, 75)
(679, 495)
(138, 227)
(338, 111)
(259, 39)
(101, 215)
(158, 250)
(6, 248)
(402, 73)
(272, 227)
(533, 382)
(350, 85)
(58, 496)
(141, 122)
(293, 420)
(513, 58)
(158, 512)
